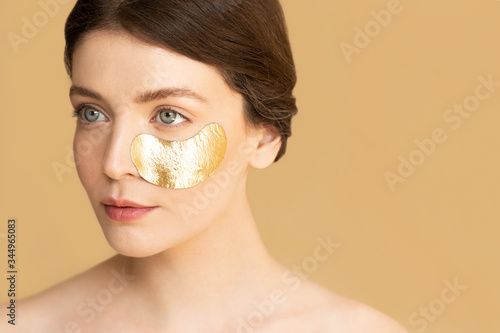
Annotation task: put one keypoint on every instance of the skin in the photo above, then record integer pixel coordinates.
(185, 266)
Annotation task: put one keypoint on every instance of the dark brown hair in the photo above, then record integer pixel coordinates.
(246, 40)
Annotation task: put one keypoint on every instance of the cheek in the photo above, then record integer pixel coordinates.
(211, 198)
(88, 153)
(232, 172)
(239, 150)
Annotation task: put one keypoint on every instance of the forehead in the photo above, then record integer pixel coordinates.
(114, 62)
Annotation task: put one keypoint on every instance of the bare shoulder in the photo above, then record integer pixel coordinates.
(67, 306)
(358, 317)
(316, 309)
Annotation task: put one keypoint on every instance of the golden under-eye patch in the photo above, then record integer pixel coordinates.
(179, 164)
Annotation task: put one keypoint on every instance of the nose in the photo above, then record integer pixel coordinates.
(117, 163)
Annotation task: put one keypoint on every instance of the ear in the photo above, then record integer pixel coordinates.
(269, 143)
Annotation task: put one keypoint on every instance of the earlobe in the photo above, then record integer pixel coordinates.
(267, 148)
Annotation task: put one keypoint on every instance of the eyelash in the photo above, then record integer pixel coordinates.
(172, 110)
(77, 112)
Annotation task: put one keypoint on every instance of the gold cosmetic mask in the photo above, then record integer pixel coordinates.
(179, 164)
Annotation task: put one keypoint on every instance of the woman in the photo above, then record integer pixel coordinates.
(175, 100)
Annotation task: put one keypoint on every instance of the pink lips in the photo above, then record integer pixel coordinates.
(122, 210)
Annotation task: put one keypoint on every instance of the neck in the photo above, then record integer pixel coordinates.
(217, 274)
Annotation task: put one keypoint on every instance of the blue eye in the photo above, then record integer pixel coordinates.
(91, 115)
(170, 117)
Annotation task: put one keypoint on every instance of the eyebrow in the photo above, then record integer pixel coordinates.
(145, 97)
(150, 96)
(77, 90)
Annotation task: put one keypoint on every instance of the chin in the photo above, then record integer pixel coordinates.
(135, 246)
(144, 239)
(134, 252)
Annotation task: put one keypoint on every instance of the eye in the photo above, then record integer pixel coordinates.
(91, 115)
(170, 117)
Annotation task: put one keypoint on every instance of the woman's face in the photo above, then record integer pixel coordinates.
(119, 91)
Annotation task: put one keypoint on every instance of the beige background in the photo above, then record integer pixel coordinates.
(355, 120)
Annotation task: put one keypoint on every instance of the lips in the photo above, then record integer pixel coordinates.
(122, 210)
